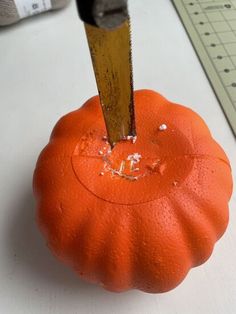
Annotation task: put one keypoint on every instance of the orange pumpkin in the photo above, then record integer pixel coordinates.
(139, 216)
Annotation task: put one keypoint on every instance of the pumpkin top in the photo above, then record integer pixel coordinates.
(170, 138)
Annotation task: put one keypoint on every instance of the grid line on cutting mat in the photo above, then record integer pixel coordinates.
(211, 26)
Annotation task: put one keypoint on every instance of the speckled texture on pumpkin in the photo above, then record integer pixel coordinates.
(139, 225)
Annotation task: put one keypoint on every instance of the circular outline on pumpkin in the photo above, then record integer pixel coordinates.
(191, 156)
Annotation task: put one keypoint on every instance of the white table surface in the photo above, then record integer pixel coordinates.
(45, 72)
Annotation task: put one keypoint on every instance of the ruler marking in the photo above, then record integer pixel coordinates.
(215, 46)
(223, 83)
(215, 58)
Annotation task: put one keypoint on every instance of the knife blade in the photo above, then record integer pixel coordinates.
(108, 34)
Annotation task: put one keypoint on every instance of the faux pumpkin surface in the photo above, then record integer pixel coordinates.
(139, 216)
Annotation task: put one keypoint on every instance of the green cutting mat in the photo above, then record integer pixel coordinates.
(211, 25)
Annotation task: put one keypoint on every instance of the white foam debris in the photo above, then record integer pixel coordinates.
(122, 167)
(136, 157)
(104, 137)
(175, 183)
(107, 167)
(130, 138)
(134, 139)
(163, 127)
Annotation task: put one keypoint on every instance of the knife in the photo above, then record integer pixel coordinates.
(107, 28)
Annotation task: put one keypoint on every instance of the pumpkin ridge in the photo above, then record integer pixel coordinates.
(193, 222)
(136, 248)
(176, 208)
(137, 244)
(76, 244)
(120, 277)
(63, 244)
(207, 213)
(42, 217)
(90, 265)
(99, 266)
(74, 116)
(151, 259)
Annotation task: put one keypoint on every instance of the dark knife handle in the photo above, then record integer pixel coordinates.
(103, 13)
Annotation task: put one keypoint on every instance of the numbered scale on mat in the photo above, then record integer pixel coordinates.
(211, 26)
